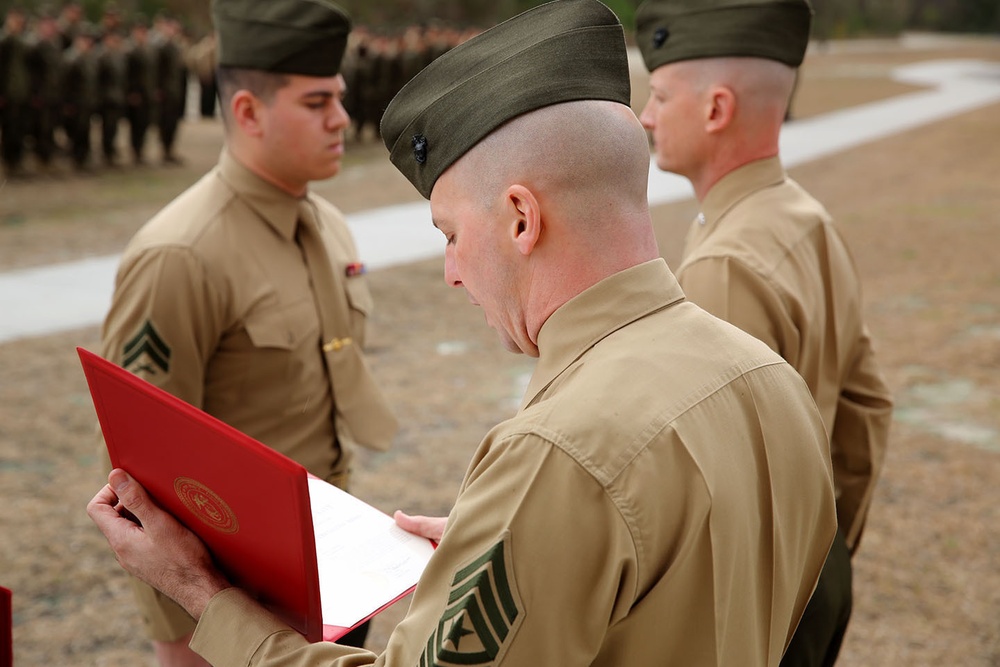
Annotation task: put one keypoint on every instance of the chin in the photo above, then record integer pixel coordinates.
(333, 165)
(326, 172)
(511, 346)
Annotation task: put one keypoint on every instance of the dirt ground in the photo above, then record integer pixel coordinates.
(921, 211)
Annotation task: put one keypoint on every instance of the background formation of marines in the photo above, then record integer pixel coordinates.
(91, 94)
(376, 65)
(66, 82)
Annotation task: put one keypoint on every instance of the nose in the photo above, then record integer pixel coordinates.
(451, 277)
(646, 116)
(338, 117)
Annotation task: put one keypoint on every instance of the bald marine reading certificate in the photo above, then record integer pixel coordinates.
(320, 559)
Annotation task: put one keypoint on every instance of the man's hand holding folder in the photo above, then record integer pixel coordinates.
(322, 560)
(153, 546)
(157, 549)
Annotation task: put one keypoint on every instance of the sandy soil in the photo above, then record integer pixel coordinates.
(920, 210)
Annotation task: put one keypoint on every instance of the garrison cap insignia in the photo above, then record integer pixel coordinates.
(419, 148)
(659, 37)
(483, 612)
(146, 352)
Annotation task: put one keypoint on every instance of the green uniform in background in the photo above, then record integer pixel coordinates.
(15, 89)
(170, 88)
(80, 97)
(111, 74)
(139, 86)
(45, 64)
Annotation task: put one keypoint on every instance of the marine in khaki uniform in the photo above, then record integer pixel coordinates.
(245, 296)
(662, 496)
(763, 254)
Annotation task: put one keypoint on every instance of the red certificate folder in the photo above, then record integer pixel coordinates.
(248, 504)
(6, 628)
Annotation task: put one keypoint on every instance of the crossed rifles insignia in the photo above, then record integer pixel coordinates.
(482, 613)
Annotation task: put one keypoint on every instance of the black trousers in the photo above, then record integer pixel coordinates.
(42, 129)
(206, 98)
(111, 115)
(76, 123)
(138, 121)
(13, 128)
(168, 119)
(817, 640)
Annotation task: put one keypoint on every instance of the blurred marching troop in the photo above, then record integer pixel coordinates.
(76, 95)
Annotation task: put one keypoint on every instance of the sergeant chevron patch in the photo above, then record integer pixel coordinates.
(483, 612)
(146, 352)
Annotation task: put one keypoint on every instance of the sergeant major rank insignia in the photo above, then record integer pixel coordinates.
(146, 352)
(482, 613)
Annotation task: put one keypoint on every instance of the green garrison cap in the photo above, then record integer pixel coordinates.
(557, 52)
(305, 37)
(673, 30)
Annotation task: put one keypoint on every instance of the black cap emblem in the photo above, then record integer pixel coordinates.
(660, 37)
(420, 148)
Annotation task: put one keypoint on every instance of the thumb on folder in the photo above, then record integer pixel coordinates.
(431, 527)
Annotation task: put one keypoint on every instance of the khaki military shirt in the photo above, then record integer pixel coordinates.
(213, 303)
(766, 257)
(663, 496)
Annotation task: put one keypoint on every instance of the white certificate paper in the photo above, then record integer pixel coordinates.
(365, 560)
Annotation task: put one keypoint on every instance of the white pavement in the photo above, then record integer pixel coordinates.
(51, 299)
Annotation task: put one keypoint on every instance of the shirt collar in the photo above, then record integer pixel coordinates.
(740, 183)
(597, 312)
(278, 208)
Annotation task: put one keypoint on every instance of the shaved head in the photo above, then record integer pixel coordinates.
(761, 86)
(588, 160)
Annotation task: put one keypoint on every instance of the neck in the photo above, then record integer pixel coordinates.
(573, 267)
(730, 152)
(250, 159)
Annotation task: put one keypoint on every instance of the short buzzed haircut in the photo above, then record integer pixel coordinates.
(262, 85)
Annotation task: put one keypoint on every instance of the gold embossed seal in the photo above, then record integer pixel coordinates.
(206, 505)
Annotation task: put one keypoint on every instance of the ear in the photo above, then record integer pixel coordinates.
(525, 219)
(246, 112)
(721, 109)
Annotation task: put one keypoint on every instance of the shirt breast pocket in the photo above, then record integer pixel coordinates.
(263, 364)
(286, 327)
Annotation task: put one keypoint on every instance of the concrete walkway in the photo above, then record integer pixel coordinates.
(51, 299)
